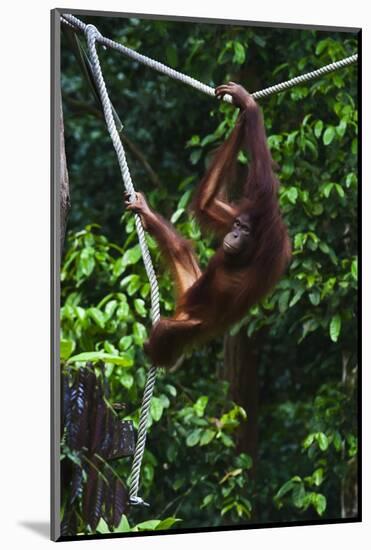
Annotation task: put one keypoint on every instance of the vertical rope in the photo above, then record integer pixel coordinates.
(91, 35)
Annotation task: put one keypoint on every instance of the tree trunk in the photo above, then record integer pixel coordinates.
(349, 483)
(349, 491)
(64, 184)
(240, 370)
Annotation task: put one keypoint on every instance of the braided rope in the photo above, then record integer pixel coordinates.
(160, 67)
(91, 35)
(308, 76)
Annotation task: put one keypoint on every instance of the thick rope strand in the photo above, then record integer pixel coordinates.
(305, 77)
(91, 34)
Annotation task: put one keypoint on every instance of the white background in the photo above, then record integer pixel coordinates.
(25, 267)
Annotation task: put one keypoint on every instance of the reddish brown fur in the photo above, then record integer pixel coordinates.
(209, 302)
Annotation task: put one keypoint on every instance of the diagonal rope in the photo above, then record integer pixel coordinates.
(75, 23)
(305, 77)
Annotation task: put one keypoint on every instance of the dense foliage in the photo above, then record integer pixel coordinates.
(306, 465)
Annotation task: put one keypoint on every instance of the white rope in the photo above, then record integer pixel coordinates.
(91, 34)
(308, 76)
(75, 23)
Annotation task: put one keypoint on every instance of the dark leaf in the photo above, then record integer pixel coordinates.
(120, 504)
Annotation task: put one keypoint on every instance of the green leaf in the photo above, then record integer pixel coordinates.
(207, 436)
(321, 46)
(227, 508)
(118, 267)
(175, 217)
(314, 297)
(139, 332)
(195, 140)
(299, 241)
(123, 526)
(317, 477)
(226, 439)
(156, 408)
(66, 348)
(328, 135)
(210, 138)
(149, 525)
(351, 179)
(87, 261)
(184, 199)
(128, 279)
(298, 294)
(292, 194)
(102, 527)
(239, 53)
(298, 495)
(244, 461)
(193, 438)
(336, 441)
(132, 256)
(317, 209)
(195, 156)
(125, 342)
(309, 326)
(341, 128)
(164, 400)
(98, 316)
(171, 389)
(318, 127)
(200, 405)
(354, 269)
(123, 312)
(207, 500)
(110, 348)
(339, 190)
(288, 486)
(134, 286)
(127, 379)
(110, 308)
(145, 290)
(319, 502)
(167, 523)
(322, 440)
(140, 307)
(123, 361)
(308, 441)
(283, 301)
(327, 188)
(335, 327)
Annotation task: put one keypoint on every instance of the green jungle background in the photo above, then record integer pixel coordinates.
(259, 426)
